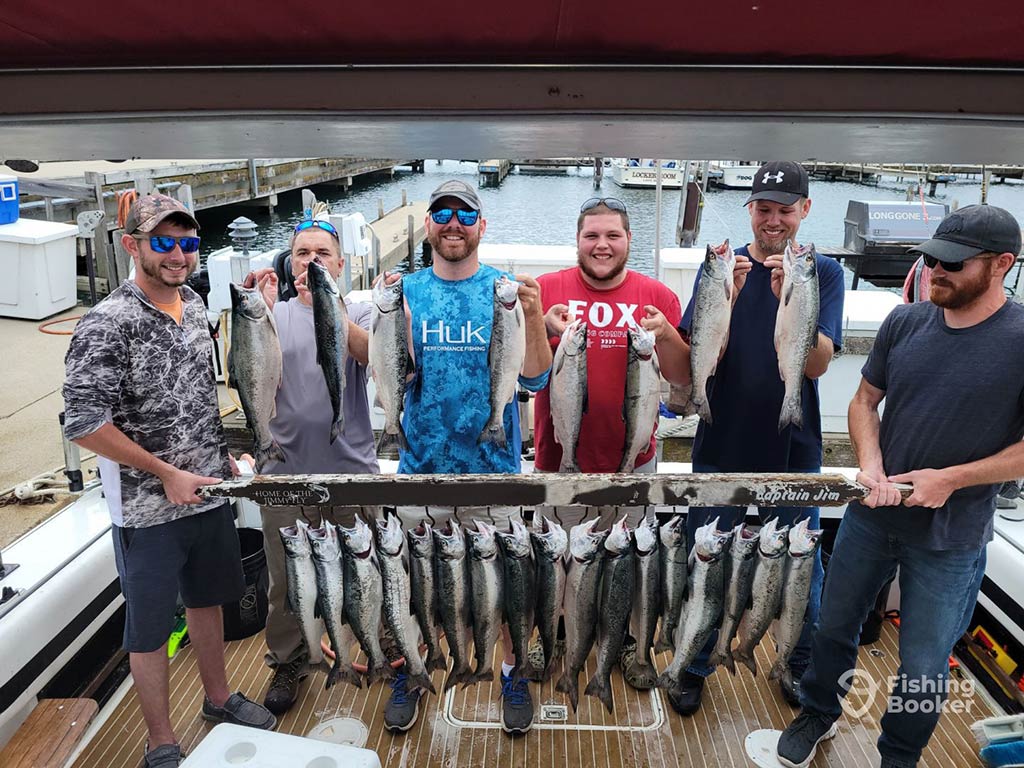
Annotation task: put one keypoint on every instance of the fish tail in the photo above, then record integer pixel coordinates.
(600, 688)
(792, 412)
(494, 434)
(387, 437)
(729, 662)
(423, 681)
(778, 670)
(669, 683)
(703, 408)
(403, 443)
(337, 427)
(453, 679)
(664, 641)
(343, 673)
(379, 671)
(715, 658)
(746, 659)
(435, 660)
(569, 685)
(271, 452)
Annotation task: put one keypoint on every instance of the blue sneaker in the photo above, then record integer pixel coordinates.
(403, 706)
(517, 705)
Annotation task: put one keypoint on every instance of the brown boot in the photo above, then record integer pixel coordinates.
(284, 687)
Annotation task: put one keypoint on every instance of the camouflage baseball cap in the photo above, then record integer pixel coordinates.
(148, 211)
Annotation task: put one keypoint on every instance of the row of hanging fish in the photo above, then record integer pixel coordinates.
(796, 325)
(568, 389)
(602, 584)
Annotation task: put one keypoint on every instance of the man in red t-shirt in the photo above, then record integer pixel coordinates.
(610, 298)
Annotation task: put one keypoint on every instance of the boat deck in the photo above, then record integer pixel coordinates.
(462, 728)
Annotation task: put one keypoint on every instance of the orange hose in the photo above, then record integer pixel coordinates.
(124, 204)
(42, 328)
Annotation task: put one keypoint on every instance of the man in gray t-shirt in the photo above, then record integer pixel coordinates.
(302, 427)
(951, 372)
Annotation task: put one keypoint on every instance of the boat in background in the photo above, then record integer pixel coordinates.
(642, 172)
(732, 174)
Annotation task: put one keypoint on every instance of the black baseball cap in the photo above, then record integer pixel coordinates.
(781, 181)
(457, 189)
(971, 230)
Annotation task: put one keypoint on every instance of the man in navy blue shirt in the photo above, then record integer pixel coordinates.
(747, 392)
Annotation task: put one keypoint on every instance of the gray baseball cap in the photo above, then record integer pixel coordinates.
(457, 189)
(971, 230)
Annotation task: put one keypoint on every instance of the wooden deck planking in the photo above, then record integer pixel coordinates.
(713, 738)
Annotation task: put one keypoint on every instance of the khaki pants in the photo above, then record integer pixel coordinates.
(284, 640)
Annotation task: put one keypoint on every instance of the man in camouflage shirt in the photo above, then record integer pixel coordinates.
(140, 392)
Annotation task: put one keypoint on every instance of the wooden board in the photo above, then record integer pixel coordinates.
(50, 734)
(540, 488)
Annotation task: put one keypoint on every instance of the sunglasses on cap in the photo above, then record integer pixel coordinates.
(166, 243)
(326, 226)
(444, 215)
(611, 203)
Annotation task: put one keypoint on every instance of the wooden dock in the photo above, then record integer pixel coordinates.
(932, 174)
(493, 172)
(396, 235)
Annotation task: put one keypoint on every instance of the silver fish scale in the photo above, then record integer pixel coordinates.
(640, 401)
(647, 600)
(302, 588)
(709, 331)
(364, 593)
(330, 325)
(568, 395)
(424, 595)
(739, 583)
(700, 615)
(389, 352)
(506, 356)
(255, 370)
(616, 607)
(673, 567)
(453, 600)
(330, 585)
(549, 549)
(796, 329)
(520, 595)
(766, 598)
(487, 584)
(795, 594)
(582, 591)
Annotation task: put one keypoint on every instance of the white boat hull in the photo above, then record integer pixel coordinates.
(646, 177)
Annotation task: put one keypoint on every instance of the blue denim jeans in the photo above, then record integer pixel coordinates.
(729, 518)
(938, 590)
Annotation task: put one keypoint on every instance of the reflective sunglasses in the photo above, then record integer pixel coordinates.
(166, 243)
(612, 203)
(949, 266)
(326, 226)
(444, 215)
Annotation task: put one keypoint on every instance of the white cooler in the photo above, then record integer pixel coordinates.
(37, 261)
(232, 745)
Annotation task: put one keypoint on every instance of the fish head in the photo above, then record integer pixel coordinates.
(744, 541)
(803, 540)
(388, 298)
(516, 543)
(449, 543)
(800, 262)
(421, 540)
(719, 262)
(619, 540)
(248, 302)
(483, 542)
(647, 536)
(320, 280)
(389, 535)
(574, 337)
(357, 540)
(295, 539)
(673, 533)
(324, 543)
(709, 543)
(506, 293)
(641, 343)
(550, 540)
(585, 542)
(773, 539)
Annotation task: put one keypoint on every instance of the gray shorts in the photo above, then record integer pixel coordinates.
(197, 556)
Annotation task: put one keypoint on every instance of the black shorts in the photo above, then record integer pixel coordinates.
(197, 556)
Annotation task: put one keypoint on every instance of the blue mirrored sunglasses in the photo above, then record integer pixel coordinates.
(612, 203)
(166, 243)
(444, 215)
(326, 226)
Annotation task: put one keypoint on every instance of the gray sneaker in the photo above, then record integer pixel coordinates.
(516, 706)
(164, 756)
(403, 706)
(239, 710)
(799, 742)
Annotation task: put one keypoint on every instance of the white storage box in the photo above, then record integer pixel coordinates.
(532, 260)
(37, 260)
(232, 745)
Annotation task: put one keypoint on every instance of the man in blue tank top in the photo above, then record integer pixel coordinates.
(951, 372)
(447, 405)
(746, 392)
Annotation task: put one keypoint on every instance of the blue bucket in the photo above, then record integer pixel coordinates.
(8, 199)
